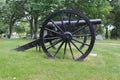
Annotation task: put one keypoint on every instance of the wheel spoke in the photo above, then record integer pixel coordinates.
(77, 21)
(51, 38)
(69, 18)
(79, 29)
(62, 22)
(53, 31)
(81, 42)
(65, 49)
(55, 43)
(57, 26)
(59, 48)
(82, 35)
(77, 48)
(71, 50)
(69, 22)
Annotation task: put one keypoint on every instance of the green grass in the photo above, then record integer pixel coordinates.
(32, 65)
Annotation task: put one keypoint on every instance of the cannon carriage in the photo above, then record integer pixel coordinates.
(66, 33)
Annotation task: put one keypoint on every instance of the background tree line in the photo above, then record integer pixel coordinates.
(27, 15)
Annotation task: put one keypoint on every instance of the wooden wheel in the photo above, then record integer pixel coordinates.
(67, 33)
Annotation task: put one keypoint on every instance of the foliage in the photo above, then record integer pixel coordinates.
(115, 13)
(113, 18)
(12, 11)
(42, 8)
(115, 33)
(3, 27)
(35, 11)
(20, 28)
(92, 8)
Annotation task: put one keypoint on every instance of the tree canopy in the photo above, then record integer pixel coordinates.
(115, 13)
(34, 12)
(114, 16)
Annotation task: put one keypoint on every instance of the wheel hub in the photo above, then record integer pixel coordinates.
(67, 37)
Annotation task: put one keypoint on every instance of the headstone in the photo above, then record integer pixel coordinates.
(99, 37)
(93, 54)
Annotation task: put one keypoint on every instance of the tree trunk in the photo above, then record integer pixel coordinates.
(11, 28)
(35, 27)
(31, 27)
(116, 33)
(0, 35)
(106, 34)
(11, 24)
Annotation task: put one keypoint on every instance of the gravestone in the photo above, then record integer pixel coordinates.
(99, 37)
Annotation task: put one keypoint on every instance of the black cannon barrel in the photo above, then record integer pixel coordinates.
(73, 22)
(81, 22)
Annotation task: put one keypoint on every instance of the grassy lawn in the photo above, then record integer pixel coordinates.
(32, 65)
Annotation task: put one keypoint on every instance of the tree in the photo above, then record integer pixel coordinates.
(115, 13)
(3, 25)
(38, 10)
(3, 28)
(13, 11)
(92, 8)
(19, 28)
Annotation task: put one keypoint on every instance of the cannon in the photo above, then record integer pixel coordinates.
(65, 34)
